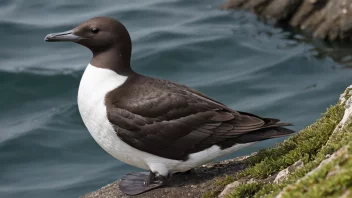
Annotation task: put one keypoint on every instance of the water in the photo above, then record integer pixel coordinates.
(45, 150)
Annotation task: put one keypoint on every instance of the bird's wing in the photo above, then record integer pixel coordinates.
(172, 121)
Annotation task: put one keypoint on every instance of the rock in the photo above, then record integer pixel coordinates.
(341, 153)
(326, 19)
(194, 184)
(282, 175)
(252, 180)
(347, 194)
(229, 188)
(331, 165)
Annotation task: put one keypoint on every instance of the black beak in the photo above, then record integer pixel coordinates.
(62, 36)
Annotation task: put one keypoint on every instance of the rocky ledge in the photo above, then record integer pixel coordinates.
(316, 162)
(326, 19)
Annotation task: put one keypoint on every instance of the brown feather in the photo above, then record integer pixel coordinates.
(173, 121)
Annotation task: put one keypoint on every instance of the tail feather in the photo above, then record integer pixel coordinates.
(265, 133)
(281, 124)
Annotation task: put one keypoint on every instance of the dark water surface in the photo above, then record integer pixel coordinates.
(45, 150)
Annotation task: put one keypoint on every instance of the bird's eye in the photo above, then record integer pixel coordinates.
(94, 30)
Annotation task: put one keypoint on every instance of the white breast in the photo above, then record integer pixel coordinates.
(95, 84)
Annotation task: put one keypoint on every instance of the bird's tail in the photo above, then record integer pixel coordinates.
(272, 129)
(264, 134)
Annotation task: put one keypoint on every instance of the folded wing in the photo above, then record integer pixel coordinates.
(173, 121)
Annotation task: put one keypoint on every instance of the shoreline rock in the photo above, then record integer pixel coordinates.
(193, 184)
(324, 19)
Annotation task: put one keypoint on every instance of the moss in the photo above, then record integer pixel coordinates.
(246, 190)
(333, 186)
(257, 191)
(268, 189)
(310, 146)
(211, 194)
(347, 94)
(304, 145)
(336, 141)
(333, 178)
(224, 181)
(219, 183)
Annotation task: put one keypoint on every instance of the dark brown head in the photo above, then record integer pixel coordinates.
(106, 37)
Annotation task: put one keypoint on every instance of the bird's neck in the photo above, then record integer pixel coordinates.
(113, 59)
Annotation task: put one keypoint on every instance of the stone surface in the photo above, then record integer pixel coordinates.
(282, 175)
(341, 152)
(193, 184)
(229, 188)
(326, 19)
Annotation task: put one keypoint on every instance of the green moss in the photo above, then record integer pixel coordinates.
(220, 182)
(305, 145)
(268, 189)
(310, 146)
(333, 186)
(246, 190)
(336, 141)
(255, 190)
(223, 182)
(333, 178)
(329, 181)
(211, 194)
(348, 93)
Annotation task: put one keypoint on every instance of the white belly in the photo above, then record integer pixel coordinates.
(95, 83)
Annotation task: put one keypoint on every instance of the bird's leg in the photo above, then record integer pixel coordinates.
(151, 178)
(137, 183)
(162, 180)
(156, 179)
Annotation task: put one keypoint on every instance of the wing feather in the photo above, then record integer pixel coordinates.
(173, 121)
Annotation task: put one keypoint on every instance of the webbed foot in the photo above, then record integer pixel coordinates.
(140, 182)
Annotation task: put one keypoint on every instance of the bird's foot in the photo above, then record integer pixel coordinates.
(137, 183)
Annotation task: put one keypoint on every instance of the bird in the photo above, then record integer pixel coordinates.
(150, 123)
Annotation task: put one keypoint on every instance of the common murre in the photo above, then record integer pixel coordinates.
(150, 123)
